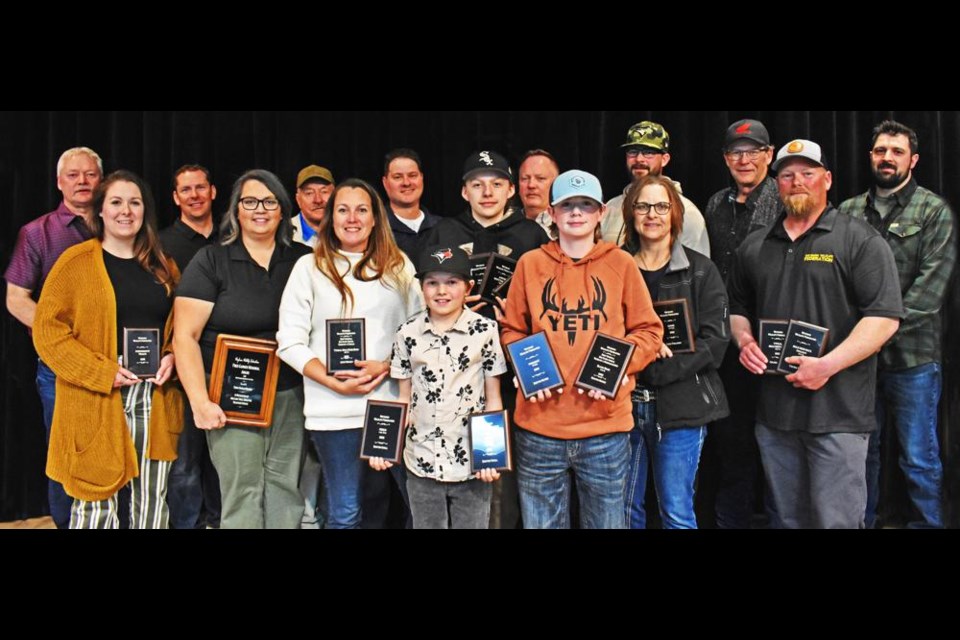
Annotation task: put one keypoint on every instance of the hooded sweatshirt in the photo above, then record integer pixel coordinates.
(512, 237)
(572, 302)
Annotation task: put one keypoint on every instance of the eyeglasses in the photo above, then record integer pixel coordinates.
(251, 204)
(643, 208)
(568, 207)
(648, 155)
(749, 154)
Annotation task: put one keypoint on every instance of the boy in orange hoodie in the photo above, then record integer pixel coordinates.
(572, 289)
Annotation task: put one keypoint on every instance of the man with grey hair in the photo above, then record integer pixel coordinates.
(39, 245)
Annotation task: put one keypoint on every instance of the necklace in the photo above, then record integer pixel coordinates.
(643, 263)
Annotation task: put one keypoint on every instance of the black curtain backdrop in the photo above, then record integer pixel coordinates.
(352, 144)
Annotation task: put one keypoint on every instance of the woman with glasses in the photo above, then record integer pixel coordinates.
(356, 272)
(112, 427)
(680, 393)
(235, 289)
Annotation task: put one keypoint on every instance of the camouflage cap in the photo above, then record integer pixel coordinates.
(648, 134)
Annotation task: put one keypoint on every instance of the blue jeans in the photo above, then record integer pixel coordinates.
(675, 455)
(600, 465)
(193, 488)
(339, 453)
(912, 398)
(60, 503)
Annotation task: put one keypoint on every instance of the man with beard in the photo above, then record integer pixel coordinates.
(751, 203)
(647, 153)
(918, 226)
(314, 186)
(817, 266)
(538, 170)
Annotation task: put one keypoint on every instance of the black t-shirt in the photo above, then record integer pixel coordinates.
(653, 278)
(142, 302)
(836, 274)
(181, 243)
(246, 296)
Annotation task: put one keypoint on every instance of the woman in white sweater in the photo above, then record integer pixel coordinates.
(356, 272)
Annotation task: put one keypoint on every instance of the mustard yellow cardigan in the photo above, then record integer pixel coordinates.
(75, 333)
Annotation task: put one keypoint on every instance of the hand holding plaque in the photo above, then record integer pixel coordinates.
(244, 379)
(383, 429)
(606, 365)
(677, 327)
(535, 365)
(141, 352)
(803, 340)
(490, 442)
(346, 343)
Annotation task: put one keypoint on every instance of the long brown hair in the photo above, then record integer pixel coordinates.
(146, 246)
(382, 259)
(633, 194)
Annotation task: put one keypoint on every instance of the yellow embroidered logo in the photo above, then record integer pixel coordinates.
(795, 147)
(819, 257)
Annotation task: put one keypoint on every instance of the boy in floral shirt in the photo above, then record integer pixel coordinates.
(447, 360)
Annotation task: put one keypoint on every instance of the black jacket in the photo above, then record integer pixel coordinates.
(512, 237)
(687, 386)
(406, 238)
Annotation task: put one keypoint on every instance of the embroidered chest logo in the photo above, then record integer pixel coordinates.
(827, 258)
(583, 318)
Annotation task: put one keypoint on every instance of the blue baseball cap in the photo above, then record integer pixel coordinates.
(576, 184)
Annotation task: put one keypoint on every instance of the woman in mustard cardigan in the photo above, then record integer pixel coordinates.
(111, 428)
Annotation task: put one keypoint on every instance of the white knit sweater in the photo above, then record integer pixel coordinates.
(308, 301)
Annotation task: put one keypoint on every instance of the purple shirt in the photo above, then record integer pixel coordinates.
(40, 244)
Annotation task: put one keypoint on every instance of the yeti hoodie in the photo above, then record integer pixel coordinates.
(572, 302)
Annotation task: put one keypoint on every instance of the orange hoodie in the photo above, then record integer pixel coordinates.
(572, 302)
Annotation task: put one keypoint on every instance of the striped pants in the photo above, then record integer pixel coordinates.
(148, 500)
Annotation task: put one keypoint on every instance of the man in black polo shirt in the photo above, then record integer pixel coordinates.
(816, 266)
(193, 492)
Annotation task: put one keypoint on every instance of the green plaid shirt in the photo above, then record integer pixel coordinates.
(920, 232)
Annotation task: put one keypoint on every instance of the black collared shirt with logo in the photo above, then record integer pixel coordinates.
(833, 276)
(246, 296)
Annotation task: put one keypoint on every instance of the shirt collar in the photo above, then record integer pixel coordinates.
(902, 197)
(67, 217)
(305, 229)
(462, 325)
(826, 222)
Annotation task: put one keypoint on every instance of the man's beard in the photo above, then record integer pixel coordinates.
(888, 181)
(800, 205)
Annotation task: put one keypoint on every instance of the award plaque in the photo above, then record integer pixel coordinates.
(244, 379)
(802, 339)
(478, 270)
(141, 352)
(605, 366)
(346, 343)
(383, 430)
(773, 333)
(490, 442)
(677, 327)
(535, 365)
(496, 278)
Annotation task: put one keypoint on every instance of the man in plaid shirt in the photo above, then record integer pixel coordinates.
(918, 226)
